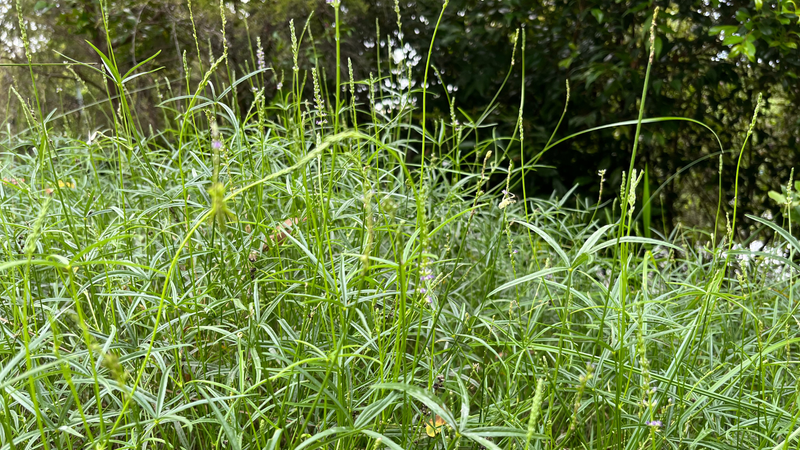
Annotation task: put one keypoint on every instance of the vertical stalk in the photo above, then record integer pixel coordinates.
(425, 91)
(623, 248)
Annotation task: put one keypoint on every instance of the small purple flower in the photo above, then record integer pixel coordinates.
(262, 65)
(426, 274)
(429, 300)
(515, 251)
(260, 54)
(216, 144)
(422, 290)
(654, 423)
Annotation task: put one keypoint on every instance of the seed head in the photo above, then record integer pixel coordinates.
(295, 49)
(260, 54)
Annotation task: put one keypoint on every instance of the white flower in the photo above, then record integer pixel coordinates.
(508, 199)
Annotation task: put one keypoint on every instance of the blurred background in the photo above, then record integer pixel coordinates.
(712, 60)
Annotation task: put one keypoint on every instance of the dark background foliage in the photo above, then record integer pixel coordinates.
(712, 60)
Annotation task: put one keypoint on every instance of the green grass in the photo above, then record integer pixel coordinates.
(151, 299)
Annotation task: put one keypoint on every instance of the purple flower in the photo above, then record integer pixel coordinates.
(654, 423)
(426, 274)
(261, 62)
(216, 144)
(422, 290)
(429, 300)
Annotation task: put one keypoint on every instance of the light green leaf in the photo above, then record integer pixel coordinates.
(779, 198)
(547, 238)
(728, 29)
(433, 403)
(527, 278)
(732, 39)
(750, 50)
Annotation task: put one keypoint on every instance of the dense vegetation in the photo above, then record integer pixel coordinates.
(712, 60)
(324, 266)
